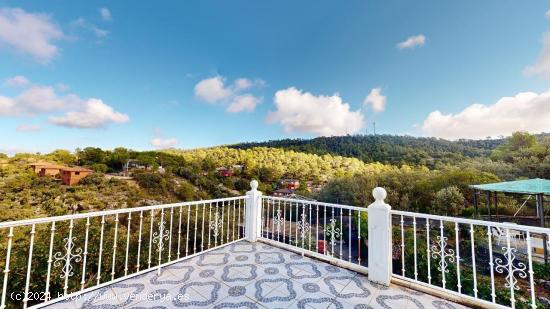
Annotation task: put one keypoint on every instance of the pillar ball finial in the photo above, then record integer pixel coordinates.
(379, 194)
(254, 184)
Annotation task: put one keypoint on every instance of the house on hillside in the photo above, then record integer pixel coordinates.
(72, 175)
(291, 184)
(224, 172)
(283, 192)
(49, 170)
(36, 166)
(238, 168)
(130, 165)
(312, 187)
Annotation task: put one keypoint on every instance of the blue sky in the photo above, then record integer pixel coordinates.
(191, 74)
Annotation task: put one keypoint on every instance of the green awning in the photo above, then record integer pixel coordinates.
(528, 186)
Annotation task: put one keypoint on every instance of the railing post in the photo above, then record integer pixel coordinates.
(380, 239)
(253, 214)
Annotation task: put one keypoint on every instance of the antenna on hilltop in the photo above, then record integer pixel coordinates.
(374, 127)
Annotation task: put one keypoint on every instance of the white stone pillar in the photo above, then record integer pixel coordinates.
(380, 239)
(253, 214)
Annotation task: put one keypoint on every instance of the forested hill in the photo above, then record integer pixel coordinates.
(386, 148)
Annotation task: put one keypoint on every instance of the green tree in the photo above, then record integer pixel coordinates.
(185, 191)
(99, 167)
(117, 158)
(154, 183)
(90, 155)
(448, 201)
(62, 156)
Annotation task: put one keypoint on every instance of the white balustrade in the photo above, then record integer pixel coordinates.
(460, 257)
(444, 255)
(80, 247)
(498, 265)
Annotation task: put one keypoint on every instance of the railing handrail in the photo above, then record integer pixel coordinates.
(259, 221)
(286, 199)
(534, 229)
(92, 214)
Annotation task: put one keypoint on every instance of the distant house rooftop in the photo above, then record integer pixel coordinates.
(76, 169)
(50, 166)
(45, 165)
(283, 192)
(224, 171)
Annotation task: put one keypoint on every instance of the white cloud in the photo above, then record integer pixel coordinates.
(526, 111)
(542, 64)
(79, 113)
(160, 142)
(16, 81)
(243, 83)
(321, 115)
(29, 33)
(412, 41)
(95, 114)
(86, 25)
(376, 100)
(243, 103)
(105, 14)
(547, 15)
(34, 100)
(61, 87)
(212, 90)
(28, 128)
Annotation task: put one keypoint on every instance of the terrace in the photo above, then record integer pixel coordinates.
(255, 251)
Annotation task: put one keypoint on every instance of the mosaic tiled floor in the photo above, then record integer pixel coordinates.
(253, 275)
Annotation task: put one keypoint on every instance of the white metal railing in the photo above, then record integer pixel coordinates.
(481, 262)
(50, 259)
(490, 262)
(325, 230)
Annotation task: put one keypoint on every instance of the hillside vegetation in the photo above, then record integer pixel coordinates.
(188, 175)
(445, 169)
(391, 149)
(420, 175)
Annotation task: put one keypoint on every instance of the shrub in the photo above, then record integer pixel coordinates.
(93, 179)
(449, 201)
(154, 183)
(100, 167)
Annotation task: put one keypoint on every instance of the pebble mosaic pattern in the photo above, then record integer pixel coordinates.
(252, 275)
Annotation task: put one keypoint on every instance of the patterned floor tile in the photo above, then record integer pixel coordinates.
(213, 259)
(242, 248)
(279, 297)
(429, 301)
(357, 293)
(255, 291)
(395, 300)
(239, 272)
(198, 294)
(253, 275)
(315, 300)
(244, 303)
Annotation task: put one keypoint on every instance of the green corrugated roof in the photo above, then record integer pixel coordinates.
(528, 186)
